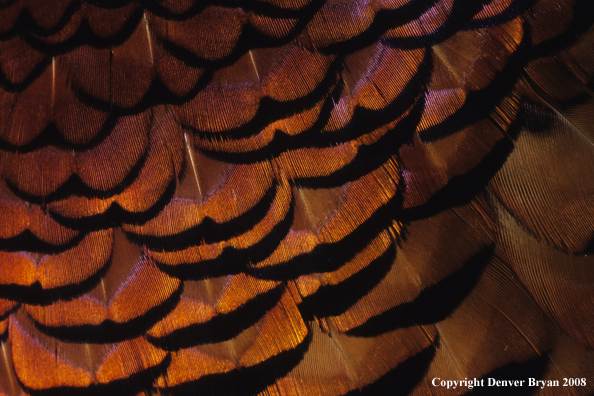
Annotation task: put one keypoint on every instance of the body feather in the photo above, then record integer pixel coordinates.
(285, 197)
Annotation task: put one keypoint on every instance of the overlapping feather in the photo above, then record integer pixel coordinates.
(294, 197)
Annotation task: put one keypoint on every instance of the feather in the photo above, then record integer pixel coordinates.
(288, 197)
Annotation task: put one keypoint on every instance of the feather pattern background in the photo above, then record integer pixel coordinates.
(285, 197)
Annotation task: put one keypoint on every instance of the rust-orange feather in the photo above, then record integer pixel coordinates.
(285, 197)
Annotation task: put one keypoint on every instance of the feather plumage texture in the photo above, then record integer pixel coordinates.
(284, 197)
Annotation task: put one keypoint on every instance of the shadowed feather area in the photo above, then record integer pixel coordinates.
(296, 197)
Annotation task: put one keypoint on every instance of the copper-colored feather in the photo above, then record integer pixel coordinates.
(284, 197)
